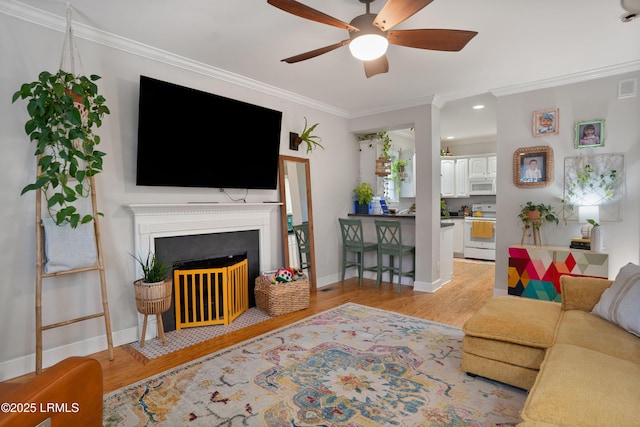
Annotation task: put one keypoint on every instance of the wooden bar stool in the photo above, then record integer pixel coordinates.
(352, 241)
(389, 235)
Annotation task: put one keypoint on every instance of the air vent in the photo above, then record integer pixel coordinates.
(627, 88)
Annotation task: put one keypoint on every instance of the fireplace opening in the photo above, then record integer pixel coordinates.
(210, 292)
(209, 250)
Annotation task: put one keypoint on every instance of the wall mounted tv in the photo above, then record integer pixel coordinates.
(191, 138)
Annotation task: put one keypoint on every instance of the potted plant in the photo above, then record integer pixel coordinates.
(153, 292)
(153, 270)
(63, 110)
(365, 195)
(534, 215)
(312, 141)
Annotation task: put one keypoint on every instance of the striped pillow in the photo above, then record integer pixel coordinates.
(620, 303)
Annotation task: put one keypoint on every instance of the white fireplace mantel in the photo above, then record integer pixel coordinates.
(153, 221)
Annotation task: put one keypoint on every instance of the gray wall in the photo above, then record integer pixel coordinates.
(592, 100)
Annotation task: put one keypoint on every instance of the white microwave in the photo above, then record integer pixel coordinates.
(480, 186)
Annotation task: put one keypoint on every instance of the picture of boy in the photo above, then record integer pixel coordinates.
(532, 173)
(546, 123)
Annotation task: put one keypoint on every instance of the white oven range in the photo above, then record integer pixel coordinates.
(480, 233)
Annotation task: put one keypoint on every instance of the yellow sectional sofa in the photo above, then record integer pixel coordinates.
(580, 369)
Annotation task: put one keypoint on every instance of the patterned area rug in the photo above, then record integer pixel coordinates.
(349, 366)
(176, 340)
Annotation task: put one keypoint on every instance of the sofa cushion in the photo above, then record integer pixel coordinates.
(517, 320)
(582, 292)
(581, 387)
(619, 303)
(586, 330)
(513, 354)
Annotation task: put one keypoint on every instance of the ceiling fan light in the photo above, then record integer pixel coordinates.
(368, 47)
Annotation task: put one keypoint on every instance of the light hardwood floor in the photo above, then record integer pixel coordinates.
(471, 287)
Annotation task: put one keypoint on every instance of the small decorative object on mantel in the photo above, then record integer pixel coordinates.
(312, 141)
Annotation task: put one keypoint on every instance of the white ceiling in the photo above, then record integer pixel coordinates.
(520, 43)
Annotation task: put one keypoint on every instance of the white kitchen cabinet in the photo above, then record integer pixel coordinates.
(448, 177)
(483, 167)
(454, 179)
(458, 236)
(408, 186)
(462, 178)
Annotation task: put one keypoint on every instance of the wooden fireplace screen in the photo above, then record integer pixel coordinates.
(211, 296)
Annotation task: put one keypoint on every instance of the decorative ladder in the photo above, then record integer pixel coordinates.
(40, 275)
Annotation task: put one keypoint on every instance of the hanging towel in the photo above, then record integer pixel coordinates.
(66, 248)
(482, 229)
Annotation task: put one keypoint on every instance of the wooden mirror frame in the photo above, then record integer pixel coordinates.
(283, 215)
(543, 155)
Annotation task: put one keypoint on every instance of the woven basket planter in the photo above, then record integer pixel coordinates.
(281, 298)
(154, 298)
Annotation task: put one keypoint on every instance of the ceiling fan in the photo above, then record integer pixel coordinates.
(370, 34)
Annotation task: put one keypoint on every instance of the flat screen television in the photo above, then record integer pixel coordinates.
(191, 138)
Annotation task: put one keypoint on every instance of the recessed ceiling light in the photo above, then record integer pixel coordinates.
(449, 137)
(478, 107)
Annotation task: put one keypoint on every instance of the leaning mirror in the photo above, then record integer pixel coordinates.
(297, 215)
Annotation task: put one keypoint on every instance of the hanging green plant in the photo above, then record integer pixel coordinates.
(64, 109)
(399, 170)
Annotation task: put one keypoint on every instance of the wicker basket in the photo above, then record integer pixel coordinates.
(153, 298)
(281, 298)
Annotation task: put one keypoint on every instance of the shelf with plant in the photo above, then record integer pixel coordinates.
(307, 136)
(535, 215)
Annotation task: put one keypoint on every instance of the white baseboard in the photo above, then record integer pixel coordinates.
(27, 364)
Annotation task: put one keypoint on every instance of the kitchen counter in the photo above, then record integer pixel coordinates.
(398, 216)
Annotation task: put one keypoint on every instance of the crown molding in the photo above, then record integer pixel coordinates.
(58, 23)
(45, 19)
(568, 79)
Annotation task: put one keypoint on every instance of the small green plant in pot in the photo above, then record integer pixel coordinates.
(534, 215)
(153, 270)
(365, 195)
(63, 110)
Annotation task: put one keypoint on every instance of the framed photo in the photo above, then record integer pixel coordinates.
(546, 122)
(590, 134)
(533, 167)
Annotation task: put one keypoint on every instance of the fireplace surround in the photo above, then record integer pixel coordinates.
(152, 221)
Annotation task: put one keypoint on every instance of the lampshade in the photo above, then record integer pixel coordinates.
(370, 42)
(588, 212)
(368, 47)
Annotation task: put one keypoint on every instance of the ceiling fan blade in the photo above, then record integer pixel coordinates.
(436, 39)
(376, 66)
(314, 53)
(307, 12)
(396, 11)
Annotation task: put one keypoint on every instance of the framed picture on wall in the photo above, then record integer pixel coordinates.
(533, 167)
(590, 134)
(546, 122)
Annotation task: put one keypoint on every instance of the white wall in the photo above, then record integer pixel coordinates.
(28, 49)
(592, 100)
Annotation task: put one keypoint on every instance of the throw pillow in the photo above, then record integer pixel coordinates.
(619, 303)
